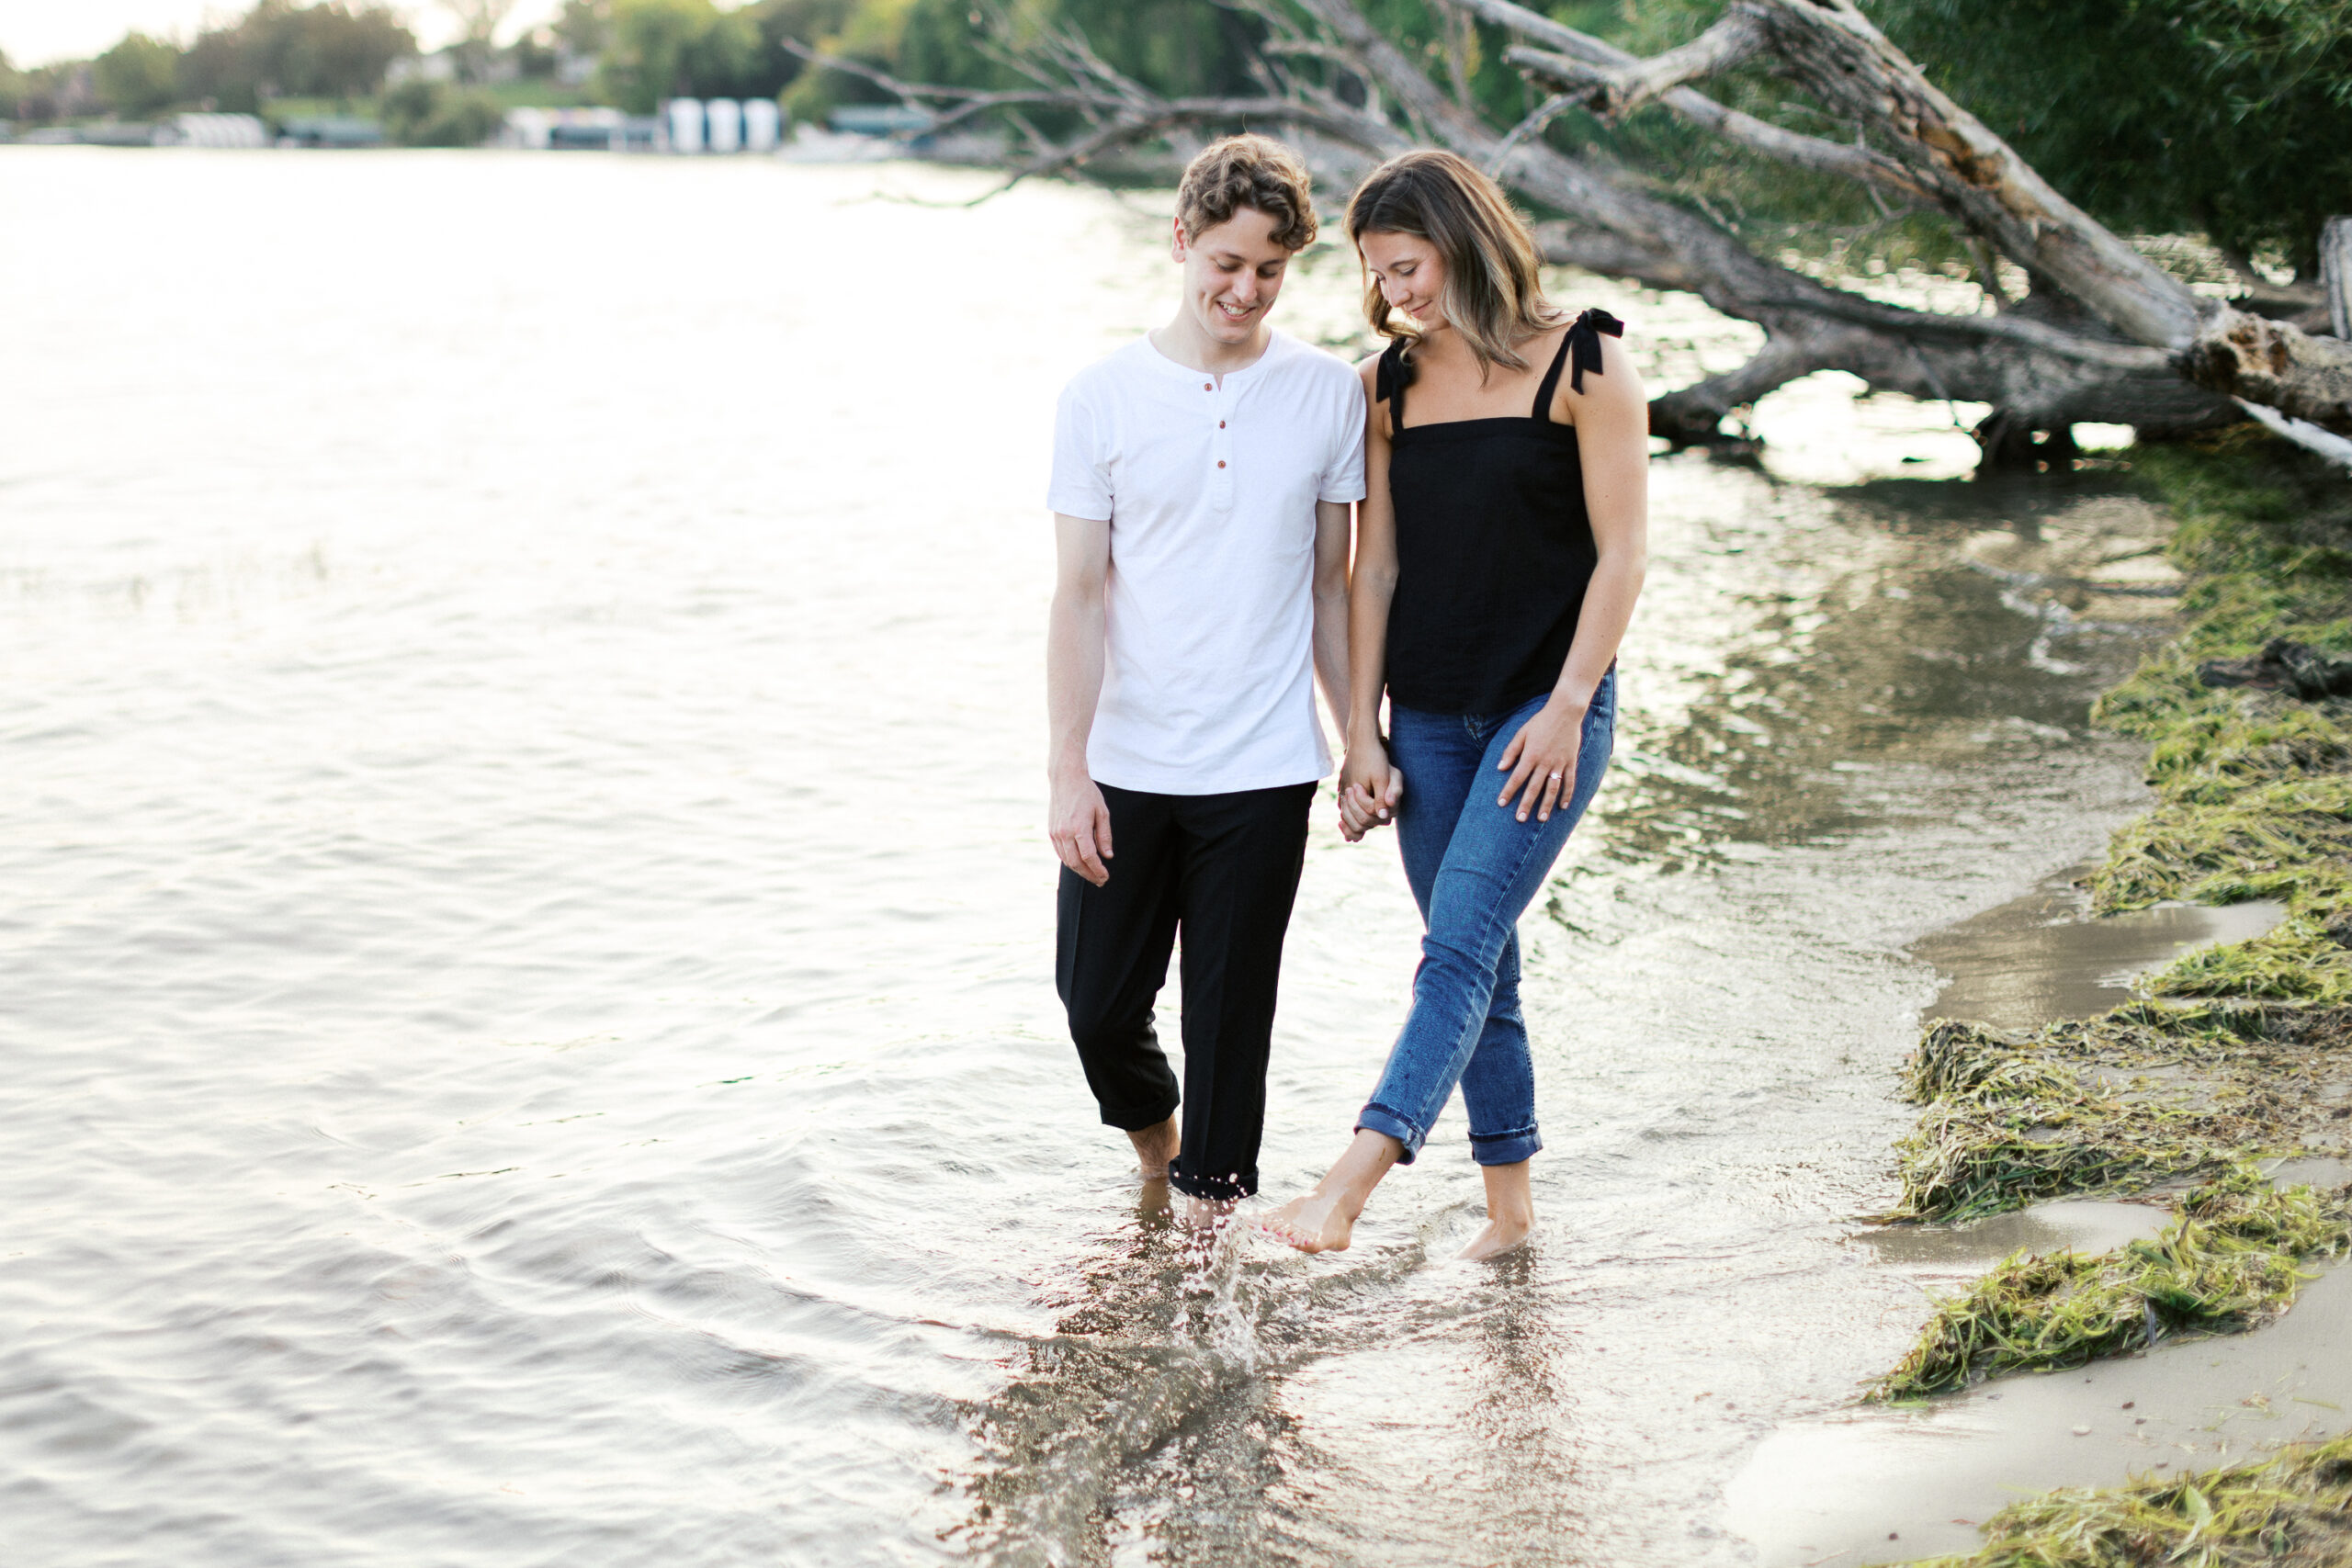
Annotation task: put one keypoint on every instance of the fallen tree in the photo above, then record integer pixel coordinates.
(2103, 333)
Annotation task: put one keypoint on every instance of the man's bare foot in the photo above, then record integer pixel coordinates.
(1155, 1148)
(1316, 1222)
(1202, 1214)
(1498, 1237)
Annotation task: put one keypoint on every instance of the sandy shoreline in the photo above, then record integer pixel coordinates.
(2252, 968)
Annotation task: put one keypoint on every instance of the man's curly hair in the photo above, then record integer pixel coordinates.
(1248, 171)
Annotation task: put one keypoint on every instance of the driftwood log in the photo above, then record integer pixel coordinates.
(2104, 335)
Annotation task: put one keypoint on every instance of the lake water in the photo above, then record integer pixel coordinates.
(525, 970)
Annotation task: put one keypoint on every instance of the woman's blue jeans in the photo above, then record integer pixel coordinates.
(1475, 867)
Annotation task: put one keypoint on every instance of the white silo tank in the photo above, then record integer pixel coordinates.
(760, 125)
(726, 117)
(686, 125)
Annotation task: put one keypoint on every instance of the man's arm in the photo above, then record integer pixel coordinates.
(1078, 820)
(1334, 528)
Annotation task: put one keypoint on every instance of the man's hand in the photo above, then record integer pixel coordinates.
(1079, 824)
(1369, 788)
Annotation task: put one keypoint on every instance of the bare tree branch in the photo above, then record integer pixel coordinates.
(1872, 170)
(2042, 370)
(1571, 48)
(1614, 91)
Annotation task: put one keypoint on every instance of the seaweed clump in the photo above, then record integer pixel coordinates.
(2013, 1119)
(2254, 781)
(2231, 1258)
(2295, 1508)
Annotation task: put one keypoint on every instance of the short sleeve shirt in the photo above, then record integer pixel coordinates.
(1209, 486)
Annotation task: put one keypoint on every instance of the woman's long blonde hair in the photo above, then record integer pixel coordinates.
(1494, 292)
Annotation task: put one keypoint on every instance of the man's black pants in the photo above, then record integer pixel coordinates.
(1224, 868)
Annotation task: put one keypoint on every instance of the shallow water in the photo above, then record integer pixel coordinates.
(2044, 956)
(527, 972)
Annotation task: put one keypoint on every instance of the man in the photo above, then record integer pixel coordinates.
(1201, 489)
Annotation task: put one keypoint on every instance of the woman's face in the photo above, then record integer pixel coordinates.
(1410, 274)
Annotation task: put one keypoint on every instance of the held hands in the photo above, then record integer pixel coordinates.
(1079, 824)
(1543, 760)
(1370, 789)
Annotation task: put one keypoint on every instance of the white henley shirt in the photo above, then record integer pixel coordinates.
(1209, 486)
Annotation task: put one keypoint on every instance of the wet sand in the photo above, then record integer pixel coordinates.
(1877, 1483)
(1880, 1484)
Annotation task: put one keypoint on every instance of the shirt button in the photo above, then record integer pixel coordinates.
(1220, 424)
(1208, 387)
(1220, 462)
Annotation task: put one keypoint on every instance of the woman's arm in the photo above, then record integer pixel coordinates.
(1611, 417)
(1369, 787)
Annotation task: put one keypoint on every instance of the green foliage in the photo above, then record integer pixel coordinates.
(663, 49)
(2230, 1258)
(2288, 1510)
(1181, 48)
(583, 26)
(2159, 116)
(43, 94)
(433, 114)
(333, 50)
(12, 88)
(138, 75)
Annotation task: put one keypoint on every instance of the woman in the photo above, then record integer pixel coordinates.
(1498, 554)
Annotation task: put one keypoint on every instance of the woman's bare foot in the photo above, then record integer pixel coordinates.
(1324, 1219)
(1313, 1223)
(1155, 1148)
(1498, 1237)
(1510, 1212)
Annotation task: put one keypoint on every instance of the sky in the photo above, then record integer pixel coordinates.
(34, 32)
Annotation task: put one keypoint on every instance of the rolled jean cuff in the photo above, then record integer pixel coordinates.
(1505, 1148)
(1378, 1118)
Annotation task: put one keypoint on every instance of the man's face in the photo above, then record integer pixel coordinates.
(1231, 275)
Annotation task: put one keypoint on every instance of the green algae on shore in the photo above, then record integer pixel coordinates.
(2231, 1258)
(2114, 1103)
(2255, 785)
(2292, 1511)
(2254, 792)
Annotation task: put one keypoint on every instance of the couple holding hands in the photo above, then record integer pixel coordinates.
(1203, 479)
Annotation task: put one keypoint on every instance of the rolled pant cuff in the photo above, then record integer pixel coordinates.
(1128, 1120)
(1378, 1118)
(1215, 1188)
(1505, 1148)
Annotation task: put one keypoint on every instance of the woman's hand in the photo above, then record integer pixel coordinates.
(1369, 790)
(1543, 760)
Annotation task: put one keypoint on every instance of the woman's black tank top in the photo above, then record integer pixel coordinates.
(1494, 548)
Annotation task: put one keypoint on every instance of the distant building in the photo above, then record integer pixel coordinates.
(220, 130)
(330, 130)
